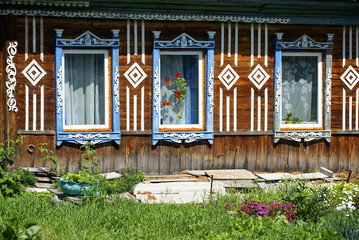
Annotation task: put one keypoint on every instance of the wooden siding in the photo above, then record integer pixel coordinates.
(243, 148)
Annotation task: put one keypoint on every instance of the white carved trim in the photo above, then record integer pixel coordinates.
(222, 44)
(143, 41)
(145, 16)
(183, 41)
(266, 109)
(259, 113)
(210, 90)
(135, 37)
(252, 43)
(87, 39)
(116, 88)
(236, 44)
(357, 109)
(156, 78)
(328, 89)
(258, 76)
(127, 108)
(156, 34)
(350, 112)
(307, 136)
(60, 89)
(134, 112)
(228, 113)
(343, 46)
(278, 92)
(266, 45)
(235, 109)
(304, 42)
(220, 109)
(188, 138)
(343, 113)
(42, 110)
(26, 38)
(350, 42)
(143, 109)
(26, 108)
(42, 39)
(59, 32)
(252, 109)
(11, 76)
(259, 40)
(49, 3)
(88, 137)
(34, 34)
(34, 112)
(350, 77)
(229, 39)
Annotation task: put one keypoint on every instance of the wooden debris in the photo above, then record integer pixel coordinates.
(274, 176)
(43, 179)
(173, 180)
(111, 175)
(326, 172)
(43, 185)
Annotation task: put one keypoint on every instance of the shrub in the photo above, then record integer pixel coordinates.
(125, 183)
(346, 225)
(24, 176)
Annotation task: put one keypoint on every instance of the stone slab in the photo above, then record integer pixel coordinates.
(326, 172)
(39, 190)
(173, 180)
(43, 179)
(242, 174)
(43, 185)
(274, 176)
(37, 169)
(111, 175)
(238, 184)
(309, 176)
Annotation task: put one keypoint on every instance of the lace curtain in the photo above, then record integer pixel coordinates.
(299, 89)
(84, 89)
(187, 67)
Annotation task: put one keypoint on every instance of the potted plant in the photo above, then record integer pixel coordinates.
(85, 180)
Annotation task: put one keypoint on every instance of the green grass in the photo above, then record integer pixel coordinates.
(128, 219)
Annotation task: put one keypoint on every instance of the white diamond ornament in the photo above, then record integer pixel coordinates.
(228, 77)
(350, 77)
(135, 75)
(34, 72)
(258, 76)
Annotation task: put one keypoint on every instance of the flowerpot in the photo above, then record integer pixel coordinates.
(75, 189)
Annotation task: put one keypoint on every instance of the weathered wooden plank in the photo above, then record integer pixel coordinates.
(229, 152)
(218, 154)
(240, 152)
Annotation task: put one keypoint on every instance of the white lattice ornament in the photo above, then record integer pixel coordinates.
(135, 75)
(228, 77)
(34, 72)
(258, 76)
(350, 77)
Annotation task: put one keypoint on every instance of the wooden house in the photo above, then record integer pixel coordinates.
(163, 86)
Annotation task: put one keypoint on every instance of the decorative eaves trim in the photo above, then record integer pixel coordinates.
(143, 16)
(47, 3)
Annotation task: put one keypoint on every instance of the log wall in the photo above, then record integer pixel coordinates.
(248, 146)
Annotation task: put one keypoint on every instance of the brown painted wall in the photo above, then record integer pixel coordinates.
(230, 149)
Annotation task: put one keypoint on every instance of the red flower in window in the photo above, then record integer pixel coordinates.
(178, 75)
(178, 95)
(178, 92)
(167, 80)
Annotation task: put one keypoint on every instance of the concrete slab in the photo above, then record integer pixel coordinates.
(37, 170)
(274, 176)
(240, 184)
(173, 180)
(326, 172)
(240, 174)
(309, 176)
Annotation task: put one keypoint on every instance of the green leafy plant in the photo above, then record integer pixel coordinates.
(125, 183)
(9, 151)
(179, 90)
(82, 177)
(56, 166)
(89, 159)
(24, 176)
(30, 231)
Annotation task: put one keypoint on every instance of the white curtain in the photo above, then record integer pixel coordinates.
(299, 95)
(84, 89)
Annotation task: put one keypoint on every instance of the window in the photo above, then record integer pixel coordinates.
(181, 90)
(182, 109)
(86, 94)
(302, 89)
(87, 89)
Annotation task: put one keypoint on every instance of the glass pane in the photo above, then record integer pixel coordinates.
(299, 89)
(179, 89)
(84, 89)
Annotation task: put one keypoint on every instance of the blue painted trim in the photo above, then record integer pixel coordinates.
(187, 43)
(88, 40)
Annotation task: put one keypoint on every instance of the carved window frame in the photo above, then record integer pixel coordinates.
(303, 44)
(87, 41)
(183, 43)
